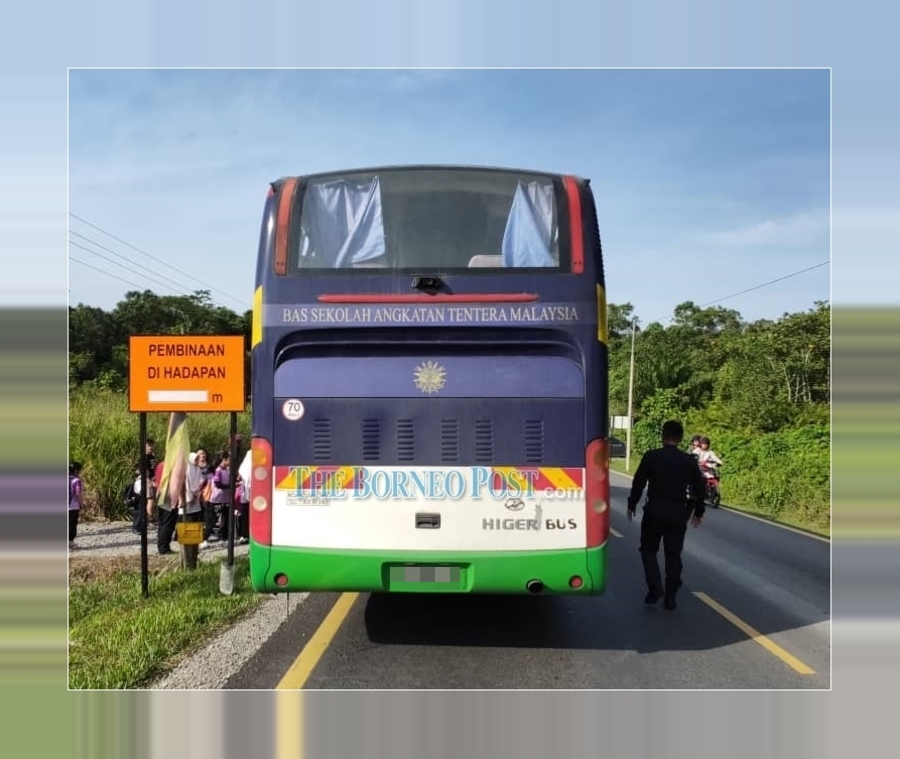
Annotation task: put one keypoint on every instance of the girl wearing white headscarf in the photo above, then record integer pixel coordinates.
(194, 481)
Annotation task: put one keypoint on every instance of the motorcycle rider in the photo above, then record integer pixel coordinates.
(706, 456)
(708, 461)
(695, 448)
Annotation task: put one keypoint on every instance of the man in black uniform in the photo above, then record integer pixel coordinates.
(675, 491)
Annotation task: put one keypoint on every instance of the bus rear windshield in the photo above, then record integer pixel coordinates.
(431, 220)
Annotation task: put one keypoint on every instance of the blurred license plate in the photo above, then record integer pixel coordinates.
(446, 576)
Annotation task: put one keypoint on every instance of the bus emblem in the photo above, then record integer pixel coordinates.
(430, 377)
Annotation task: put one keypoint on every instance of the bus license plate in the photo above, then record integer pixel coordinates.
(442, 577)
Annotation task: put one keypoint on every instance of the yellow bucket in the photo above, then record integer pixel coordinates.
(189, 533)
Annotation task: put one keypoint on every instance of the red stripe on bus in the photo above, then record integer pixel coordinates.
(282, 222)
(439, 298)
(575, 229)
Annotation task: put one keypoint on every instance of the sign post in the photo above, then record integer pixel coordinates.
(142, 505)
(184, 373)
(226, 572)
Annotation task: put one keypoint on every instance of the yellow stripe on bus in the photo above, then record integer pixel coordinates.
(511, 475)
(342, 478)
(256, 328)
(559, 478)
(290, 482)
(602, 326)
(556, 475)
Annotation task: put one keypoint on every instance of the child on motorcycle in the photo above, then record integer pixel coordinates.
(694, 449)
(707, 457)
(709, 461)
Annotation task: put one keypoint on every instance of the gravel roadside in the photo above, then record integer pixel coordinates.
(210, 666)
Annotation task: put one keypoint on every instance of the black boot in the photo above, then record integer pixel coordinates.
(669, 599)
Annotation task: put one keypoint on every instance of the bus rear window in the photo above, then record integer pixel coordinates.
(431, 220)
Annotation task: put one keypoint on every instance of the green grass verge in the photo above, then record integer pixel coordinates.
(618, 465)
(118, 639)
(104, 437)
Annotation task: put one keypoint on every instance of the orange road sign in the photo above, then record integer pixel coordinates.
(186, 373)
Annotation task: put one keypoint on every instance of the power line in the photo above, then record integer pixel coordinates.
(766, 284)
(154, 279)
(158, 260)
(108, 274)
(756, 287)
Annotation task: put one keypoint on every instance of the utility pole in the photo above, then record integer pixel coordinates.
(630, 402)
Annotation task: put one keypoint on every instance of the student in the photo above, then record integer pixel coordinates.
(76, 501)
(132, 499)
(245, 472)
(675, 493)
(222, 492)
(151, 467)
(207, 468)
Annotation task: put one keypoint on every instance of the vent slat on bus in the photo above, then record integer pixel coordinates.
(534, 441)
(484, 441)
(371, 433)
(406, 440)
(449, 441)
(433, 433)
(322, 439)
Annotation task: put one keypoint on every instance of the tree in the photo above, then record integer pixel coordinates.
(98, 339)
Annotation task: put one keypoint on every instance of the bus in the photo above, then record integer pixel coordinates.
(429, 384)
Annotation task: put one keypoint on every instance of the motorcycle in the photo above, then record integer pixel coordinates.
(712, 478)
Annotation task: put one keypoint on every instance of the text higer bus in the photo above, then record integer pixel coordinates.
(429, 384)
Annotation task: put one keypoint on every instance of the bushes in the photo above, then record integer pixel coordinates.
(104, 437)
(784, 475)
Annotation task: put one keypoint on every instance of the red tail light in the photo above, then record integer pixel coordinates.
(261, 492)
(597, 493)
(577, 232)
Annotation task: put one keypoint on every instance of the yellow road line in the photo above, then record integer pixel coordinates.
(773, 648)
(615, 532)
(305, 663)
(289, 725)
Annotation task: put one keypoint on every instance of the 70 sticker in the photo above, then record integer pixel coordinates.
(292, 409)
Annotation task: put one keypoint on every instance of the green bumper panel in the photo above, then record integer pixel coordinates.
(318, 570)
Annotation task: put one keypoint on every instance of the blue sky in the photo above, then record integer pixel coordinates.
(707, 182)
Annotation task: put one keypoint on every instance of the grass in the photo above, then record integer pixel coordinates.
(120, 640)
(618, 465)
(104, 436)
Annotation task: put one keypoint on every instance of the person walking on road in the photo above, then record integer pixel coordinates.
(675, 494)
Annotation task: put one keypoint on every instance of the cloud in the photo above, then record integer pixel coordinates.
(799, 229)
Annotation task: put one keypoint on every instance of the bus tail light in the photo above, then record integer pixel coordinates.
(597, 492)
(261, 492)
(576, 230)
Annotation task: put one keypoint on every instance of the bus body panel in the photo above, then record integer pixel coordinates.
(501, 572)
(361, 372)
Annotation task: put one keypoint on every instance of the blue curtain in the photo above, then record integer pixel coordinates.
(343, 223)
(526, 241)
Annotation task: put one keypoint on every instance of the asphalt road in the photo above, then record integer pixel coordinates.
(748, 572)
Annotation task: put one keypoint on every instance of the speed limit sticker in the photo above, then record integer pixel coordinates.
(293, 409)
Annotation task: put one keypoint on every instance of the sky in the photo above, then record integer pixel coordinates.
(708, 182)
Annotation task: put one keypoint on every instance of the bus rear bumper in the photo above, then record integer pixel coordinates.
(281, 569)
